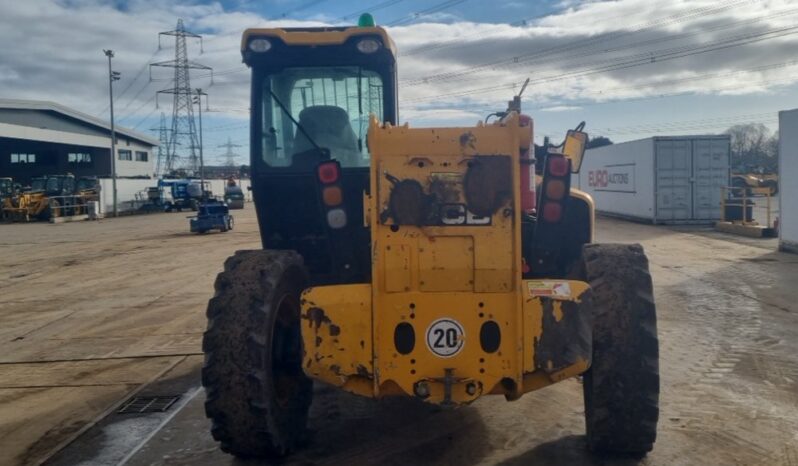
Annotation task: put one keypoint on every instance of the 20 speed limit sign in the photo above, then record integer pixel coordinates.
(445, 337)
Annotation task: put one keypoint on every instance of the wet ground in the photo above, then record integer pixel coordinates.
(94, 313)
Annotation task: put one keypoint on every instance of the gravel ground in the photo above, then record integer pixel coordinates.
(93, 312)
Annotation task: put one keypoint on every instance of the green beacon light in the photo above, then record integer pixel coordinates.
(366, 21)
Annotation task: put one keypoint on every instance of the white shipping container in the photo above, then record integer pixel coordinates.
(788, 187)
(674, 179)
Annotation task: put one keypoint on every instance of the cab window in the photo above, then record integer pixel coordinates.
(332, 104)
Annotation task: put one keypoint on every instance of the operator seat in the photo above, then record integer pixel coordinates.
(329, 127)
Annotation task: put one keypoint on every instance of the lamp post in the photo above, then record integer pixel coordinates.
(198, 101)
(112, 76)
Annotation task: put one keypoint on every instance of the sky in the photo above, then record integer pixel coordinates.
(628, 68)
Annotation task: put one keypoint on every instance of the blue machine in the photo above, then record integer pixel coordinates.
(185, 194)
(212, 215)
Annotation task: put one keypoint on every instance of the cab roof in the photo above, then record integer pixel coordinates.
(318, 35)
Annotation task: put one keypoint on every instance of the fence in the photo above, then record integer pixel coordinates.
(737, 205)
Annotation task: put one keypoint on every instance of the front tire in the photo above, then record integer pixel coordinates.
(621, 388)
(257, 394)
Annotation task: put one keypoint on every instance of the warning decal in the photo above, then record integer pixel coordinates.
(549, 289)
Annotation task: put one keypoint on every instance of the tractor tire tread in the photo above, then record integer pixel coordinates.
(622, 385)
(238, 391)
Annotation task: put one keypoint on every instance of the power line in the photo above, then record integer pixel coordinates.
(371, 9)
(420, 14)
(138, 109)
(592, 102)
(671, 126)
(666, 55)
(458, 41)
(589, 41)
(141, 122)
(133, 99)
(301, 7)
(573, 57)
(130, 84)
(140, 72)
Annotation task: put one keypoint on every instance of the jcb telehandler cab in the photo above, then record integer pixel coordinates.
(431, 263)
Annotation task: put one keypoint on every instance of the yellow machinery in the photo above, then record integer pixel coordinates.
(449, 312)
(45, 198)
(87, 189)
(756, 184)
(437, 263)
(6, 191)
(27, 205)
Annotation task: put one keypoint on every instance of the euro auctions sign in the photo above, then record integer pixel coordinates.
(613, 178)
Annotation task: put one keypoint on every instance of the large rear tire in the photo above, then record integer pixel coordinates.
(621, 389)
(257, 394)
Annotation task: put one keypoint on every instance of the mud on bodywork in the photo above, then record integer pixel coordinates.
(566, 338)
(337, 337)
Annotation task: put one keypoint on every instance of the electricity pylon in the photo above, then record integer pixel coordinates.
(184, 130)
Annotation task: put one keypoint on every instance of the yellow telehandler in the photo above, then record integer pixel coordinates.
(437, 263)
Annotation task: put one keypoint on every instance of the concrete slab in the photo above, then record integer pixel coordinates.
(36, 421)
(92, 312)
(751, 231)
(135, 287)
(69, 218)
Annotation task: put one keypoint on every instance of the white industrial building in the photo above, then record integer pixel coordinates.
(788, 187)
(44, 138)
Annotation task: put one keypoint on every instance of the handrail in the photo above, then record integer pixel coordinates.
(739, 196)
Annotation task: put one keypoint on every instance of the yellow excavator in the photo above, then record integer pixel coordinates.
(432, 263)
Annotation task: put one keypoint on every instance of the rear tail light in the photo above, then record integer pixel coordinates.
(555, 190)
(336, 218)
(556, 185)
(331, 193)
(558, 166)
(328, 172)
(332, 196)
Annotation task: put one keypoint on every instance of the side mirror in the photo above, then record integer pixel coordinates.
(573, 147)
(249, 187)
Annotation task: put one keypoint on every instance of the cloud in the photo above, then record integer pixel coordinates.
(560, 108)
(451, 71)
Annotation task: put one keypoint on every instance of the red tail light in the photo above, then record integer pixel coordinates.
(328, 172)
(558, 166)
(555, 189)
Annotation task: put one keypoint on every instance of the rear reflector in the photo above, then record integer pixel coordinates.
(336, 219)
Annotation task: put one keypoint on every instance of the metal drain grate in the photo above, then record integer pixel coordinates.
(148, 404)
